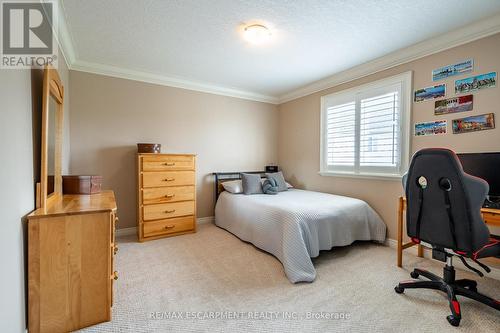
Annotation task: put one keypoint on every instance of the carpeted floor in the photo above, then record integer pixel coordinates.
(212, 274)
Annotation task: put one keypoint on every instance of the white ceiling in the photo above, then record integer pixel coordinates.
(199, 41)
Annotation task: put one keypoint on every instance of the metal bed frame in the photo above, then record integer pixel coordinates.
(221, 177)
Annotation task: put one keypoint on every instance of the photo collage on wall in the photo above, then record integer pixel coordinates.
(462, 102)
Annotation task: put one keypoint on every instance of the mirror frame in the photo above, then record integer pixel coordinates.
(52, 88)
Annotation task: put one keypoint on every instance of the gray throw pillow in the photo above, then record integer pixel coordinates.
(269, 186)
(280, 180)
(251, 183)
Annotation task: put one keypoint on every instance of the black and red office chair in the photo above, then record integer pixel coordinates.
(444, 213)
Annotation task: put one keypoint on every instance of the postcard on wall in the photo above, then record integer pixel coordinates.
(453, 105)
(430, 128)
(474, 123)
(451, 70)
(433, 92)
(477, 82)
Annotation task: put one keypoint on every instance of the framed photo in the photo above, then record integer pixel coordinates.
(453, 105)
(451, 70)
(477, 82)
(430, 128)
(474, 123)
(428, 93)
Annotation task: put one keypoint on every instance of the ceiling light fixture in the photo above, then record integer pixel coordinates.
(257, 34)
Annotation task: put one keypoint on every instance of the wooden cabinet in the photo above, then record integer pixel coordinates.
(71, 246)
(491, 216)
(166, 195)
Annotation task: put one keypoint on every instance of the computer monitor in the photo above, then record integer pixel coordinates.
(485, 166)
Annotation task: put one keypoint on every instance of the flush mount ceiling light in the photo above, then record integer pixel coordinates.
(257, 34)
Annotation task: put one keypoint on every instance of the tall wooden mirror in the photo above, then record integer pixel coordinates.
(52, 134)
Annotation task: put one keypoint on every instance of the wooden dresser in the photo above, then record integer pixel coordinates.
(166, 195)
(71, 245)
(491, 216)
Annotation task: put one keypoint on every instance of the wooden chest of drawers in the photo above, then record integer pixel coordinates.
(166, 195)
(71, 248)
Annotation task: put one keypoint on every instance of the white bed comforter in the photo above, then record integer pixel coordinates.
(295, 225)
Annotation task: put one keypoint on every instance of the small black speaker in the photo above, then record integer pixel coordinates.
(271, 168)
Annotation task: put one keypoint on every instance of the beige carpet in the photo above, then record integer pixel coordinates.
(213, 273)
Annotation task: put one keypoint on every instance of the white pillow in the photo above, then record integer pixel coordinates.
(236, 186)
(233, 186)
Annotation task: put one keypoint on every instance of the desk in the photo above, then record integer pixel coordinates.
(490, 216)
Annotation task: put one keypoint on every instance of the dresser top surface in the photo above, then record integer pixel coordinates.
(163, 154)
(71, 204)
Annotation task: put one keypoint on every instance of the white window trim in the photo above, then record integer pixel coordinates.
(405, 79)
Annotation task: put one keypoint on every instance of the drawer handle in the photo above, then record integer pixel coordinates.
(168, 179)
(115, 275)
(169, 164)
(170, 226)
(170, 211)
(115, 250)
(168, 196)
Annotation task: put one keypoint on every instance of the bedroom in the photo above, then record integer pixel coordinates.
(231, 87)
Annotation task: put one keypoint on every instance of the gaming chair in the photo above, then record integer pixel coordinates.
(444, 213)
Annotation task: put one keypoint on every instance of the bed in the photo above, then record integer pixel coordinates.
(295, 225)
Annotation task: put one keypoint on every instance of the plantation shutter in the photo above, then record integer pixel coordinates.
(363, 132)
(341, 140)
(379, 132)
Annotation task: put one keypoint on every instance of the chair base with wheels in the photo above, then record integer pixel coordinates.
(449, 285)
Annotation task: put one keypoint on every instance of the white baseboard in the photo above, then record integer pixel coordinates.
(206, 219)
(133, 230)
(126, 231)
(494, 274)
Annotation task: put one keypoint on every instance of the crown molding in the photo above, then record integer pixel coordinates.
(64, 37)
(467, 34)
(130, 74)
(62, 33)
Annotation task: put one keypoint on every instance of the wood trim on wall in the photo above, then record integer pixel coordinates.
(52, 88)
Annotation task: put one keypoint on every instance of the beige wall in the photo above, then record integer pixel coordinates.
(64, 74)
(17, 176)
(110, 115)
(20, 121)
(299, 126)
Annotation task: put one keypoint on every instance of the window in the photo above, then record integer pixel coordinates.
(365, 130)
